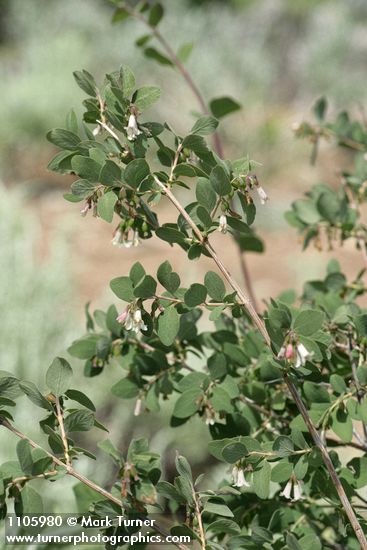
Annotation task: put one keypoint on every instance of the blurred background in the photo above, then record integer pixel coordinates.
(274, 56)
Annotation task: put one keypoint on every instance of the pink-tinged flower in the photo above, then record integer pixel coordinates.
(223, 224)
(302, 355)
(123, 317)
(289, 351)
(238, 477)
(132, 129)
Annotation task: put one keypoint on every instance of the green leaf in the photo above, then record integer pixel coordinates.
(146, 289)
(25, 456)
(360, 322)
(362, 375)
(187, 404)
(72, 122)
(223, 106)
(306, 211)
(137, 272)
(79, 421)
(261, 480)
(315, 393)
(31, 501)
(58, 376)
(168, 325)
(170, 234)
(128, 81)
(195, 295)
(221, 400)
(84, 495)
(85, 347)
(183, 467)
(145, 97)
(153, 53)
(86, 82)
(319, 108)
(204, 126)
(34, 395)
(184, 51)
(337, 383)
(224, 526)
(342, 425)
(82, 188)
(123, 288)
(214, 286)
(106, 206)
(167, 278)
(125, 389)
(281, 472)
(205, 194)
(80, 397)
(283, 445)
(107, 447)
(86, 168)
(234, 452)
(328, 204)
(64, 139)
(219, 179)
(135, 172)
(110, 173)
(156, 14)
(362, 409)
(308, 322)
(218, 509)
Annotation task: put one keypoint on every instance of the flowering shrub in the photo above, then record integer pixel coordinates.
(281, 392)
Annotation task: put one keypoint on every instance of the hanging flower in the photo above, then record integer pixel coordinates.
(238, 477)
(302, 355)
(117, 238)
(138, 323)
(85, 209)
(289, 351)
(223, 224)
(137, 409)
(131, 319)
(132, 129)
(210, 416)
(262, 194)
(96, 131)
(286, 493)
(125, 238)
(295, 485)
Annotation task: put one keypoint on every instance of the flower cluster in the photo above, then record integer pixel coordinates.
(131, 319)
(126, 239)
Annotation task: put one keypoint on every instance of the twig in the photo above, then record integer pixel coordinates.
(200, 522)
(356, 381)
(195, 90)
(328, 463)
(246, 302)
(248, 281)
(292, 388)
(60, 419)
(70, 471)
